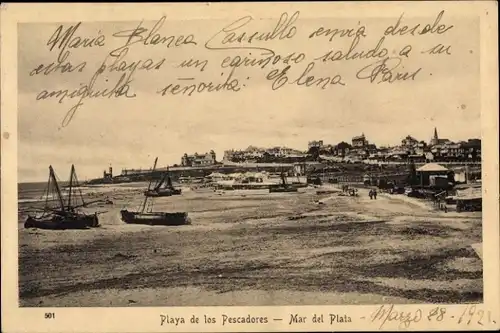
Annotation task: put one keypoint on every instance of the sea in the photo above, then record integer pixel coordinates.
(28, 192)
(36, 191)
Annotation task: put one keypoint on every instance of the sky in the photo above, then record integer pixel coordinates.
(130, 133)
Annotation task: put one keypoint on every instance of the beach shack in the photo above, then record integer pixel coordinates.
(469, 199)
(433, 175)
(214, 177)
(245, 181)
(370, 180)
(466, 174)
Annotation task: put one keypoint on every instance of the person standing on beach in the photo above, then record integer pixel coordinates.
(375, 194)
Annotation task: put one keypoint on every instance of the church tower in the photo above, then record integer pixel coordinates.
(435, 139)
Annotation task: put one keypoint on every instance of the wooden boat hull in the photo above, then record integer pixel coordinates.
(163, 193)
(168, 219)
(283, 189)
(299, 185)
(58, 222)
(249, 187)
(154, 194)
(176, 191)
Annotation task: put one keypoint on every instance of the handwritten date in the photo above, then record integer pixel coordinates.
(386, 314)
(470, 315)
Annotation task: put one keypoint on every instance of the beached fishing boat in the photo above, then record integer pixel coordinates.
(64, 215)
(155, 218)
(163, 188)
(284, 186)
(145, 214)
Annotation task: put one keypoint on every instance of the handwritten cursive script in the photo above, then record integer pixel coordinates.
(163, 58)
(67, 39)
(120, 89)
(387, 313)
(151, 37)
(385, 71)
(231, 36)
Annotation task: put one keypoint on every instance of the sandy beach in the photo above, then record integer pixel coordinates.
(257, 249)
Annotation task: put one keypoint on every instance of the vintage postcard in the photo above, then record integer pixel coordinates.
(241, 167)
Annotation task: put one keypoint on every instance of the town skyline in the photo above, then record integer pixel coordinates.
(220, 152)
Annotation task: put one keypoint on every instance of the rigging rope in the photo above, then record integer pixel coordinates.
(79, 189)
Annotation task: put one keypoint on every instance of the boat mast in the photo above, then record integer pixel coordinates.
(77, 183)
(71, 185)
(165, 179)
(47, 194)
(283, 177)
(160, 183)
(149, 187)
(169, 180)
(53, 176)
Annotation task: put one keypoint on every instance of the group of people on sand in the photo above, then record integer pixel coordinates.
(354, 192)
(350, 191)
